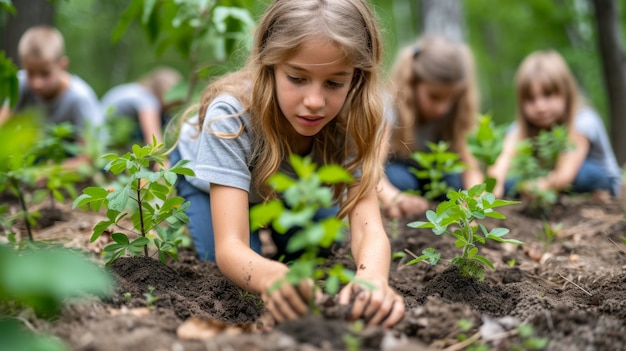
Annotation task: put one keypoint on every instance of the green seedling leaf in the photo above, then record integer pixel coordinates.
(429, 255)
(332, 174)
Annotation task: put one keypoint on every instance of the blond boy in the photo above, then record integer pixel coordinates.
(44, 83)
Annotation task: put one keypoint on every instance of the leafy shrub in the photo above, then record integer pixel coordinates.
(143, 196)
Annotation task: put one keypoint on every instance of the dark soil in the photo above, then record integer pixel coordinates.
(572, 292)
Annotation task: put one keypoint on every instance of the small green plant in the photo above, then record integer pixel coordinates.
(535, 158)
(511, 262)
(486, 145)
(352, 339)
(434, 166)
(302, 199)
(394, 228)
(145, 197)
(456, 217)
(127, 296)
(529, 340)
(548, 233)
(150, 297)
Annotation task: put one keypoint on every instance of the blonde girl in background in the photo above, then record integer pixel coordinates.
(435, 98)
(310, 87)
(548, 96)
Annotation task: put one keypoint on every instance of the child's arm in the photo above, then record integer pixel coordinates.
(395, 203)
(150, 124)
(5, 112)
(568, 164)
(500, 169)
(244, 267)
(372, 256)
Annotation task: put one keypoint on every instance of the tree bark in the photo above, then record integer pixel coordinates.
(614, 68)
(28, 13)
(443, 17)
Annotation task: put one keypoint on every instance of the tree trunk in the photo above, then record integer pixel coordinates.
(614, 68)
(28, 13)
(444, 17)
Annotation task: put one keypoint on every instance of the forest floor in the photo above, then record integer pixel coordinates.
(571, 291)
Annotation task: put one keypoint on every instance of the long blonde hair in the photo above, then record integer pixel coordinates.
(433, 59)
(349, 139)
(549, 69)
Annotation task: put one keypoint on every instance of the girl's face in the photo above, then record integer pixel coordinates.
(312, 86)
(435, 100)
(543, 109)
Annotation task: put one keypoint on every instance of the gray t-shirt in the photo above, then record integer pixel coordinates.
(128, 99)
(588, 123)
(77, 105)
(221, 160)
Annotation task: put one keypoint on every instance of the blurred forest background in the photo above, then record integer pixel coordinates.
(115, 41)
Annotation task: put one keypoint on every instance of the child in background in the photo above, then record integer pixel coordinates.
(44, 83)
(144, 102)
(435, 99)
(310, 87)
(548, 96)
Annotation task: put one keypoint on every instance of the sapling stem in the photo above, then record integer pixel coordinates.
(20, 196)
(143, 229)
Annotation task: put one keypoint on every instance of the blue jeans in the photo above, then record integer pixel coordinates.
(399, 174)
(591, 177)
(201, 223)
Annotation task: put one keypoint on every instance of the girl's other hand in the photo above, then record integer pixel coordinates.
(287, 302)
(406, 205)
(377, 305)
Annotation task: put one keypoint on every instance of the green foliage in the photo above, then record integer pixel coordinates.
(302, 199)
(535, 158)
(486, 145)
(8, 75)
(16, 337)
(145, 198)
(456, 217)
(44, 278)
(435, 165)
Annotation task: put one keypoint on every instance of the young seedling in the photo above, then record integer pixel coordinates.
(434, 166)
(486, 145)
(150, 297)
(457, 217)
(535, 158)
(548, 233)
(146, 198)
(302, 199)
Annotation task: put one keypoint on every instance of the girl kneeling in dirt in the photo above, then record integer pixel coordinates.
(548, 96)
(434, 98)
(310, 87)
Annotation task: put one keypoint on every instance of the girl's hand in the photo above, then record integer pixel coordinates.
(377, 305)
(406, 205)
(287, 302)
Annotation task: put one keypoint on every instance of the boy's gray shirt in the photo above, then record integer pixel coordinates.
(588, 123)
(76, 105)
(128, 99)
